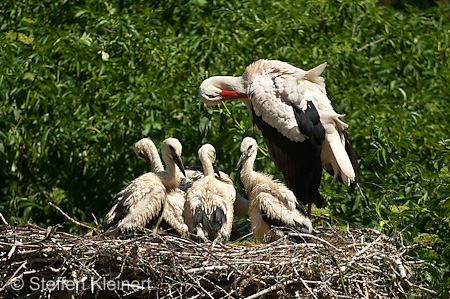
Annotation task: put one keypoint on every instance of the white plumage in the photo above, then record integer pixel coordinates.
(302, 130)
(209, 202)
(173, 213)
(273, 207)
(146, 150)
(144, 201)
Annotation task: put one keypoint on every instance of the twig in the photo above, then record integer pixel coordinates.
(363, 196)
(198, 283)
(73, 220)
(13, 276)
(270, 289)
(368, 246)
(371, 44)
(206, 269)
(3, 219)
(98, 35)
(243, 237)
(111, 31)
(18, 177)
(420, 287)
(341, 275)
(11, 252)
(95, 221)
(305, 284)
(315, 238)
(401, 268)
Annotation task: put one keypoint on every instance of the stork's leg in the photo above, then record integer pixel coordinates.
(309, 210)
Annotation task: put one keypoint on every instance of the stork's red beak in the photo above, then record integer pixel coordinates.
(231, 95)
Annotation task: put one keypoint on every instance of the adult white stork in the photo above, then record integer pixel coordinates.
(301, 128)
(150, 200)
(146, 150)
(274, 209)
(209, 202)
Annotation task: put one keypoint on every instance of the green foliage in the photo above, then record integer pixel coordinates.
(81, 81)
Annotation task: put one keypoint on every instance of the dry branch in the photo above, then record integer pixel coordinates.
(71, 219)
(371, 44)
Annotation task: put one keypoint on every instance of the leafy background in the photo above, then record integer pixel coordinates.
(82, 81)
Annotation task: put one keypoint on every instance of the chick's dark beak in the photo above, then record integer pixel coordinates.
(241, 160)
(177, 160)
(216, 170)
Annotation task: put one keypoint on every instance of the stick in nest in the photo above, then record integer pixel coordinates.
(73, 220)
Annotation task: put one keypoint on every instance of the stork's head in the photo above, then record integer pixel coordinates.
(207, 155)
(249, 148)
(171, 150)
(143, 148)
(207, 152)
(209, 94)
(220, 88)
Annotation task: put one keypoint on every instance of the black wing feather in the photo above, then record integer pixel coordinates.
(270, 220)
(218, 219)
(308, 122)
(280, 224)
(152, 222)
(200, 216)
(211, 226)
(301, 168)
(122, 210)
(305, 124)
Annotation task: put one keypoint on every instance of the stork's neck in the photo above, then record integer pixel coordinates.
(154, 159)
(171, 178)
(247, 172)
(229, 83)
(238, 85)
(208, 169)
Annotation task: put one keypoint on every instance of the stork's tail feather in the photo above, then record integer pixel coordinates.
(352, 155)
(340, 161)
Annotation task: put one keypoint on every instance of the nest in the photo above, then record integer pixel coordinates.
(334, 263)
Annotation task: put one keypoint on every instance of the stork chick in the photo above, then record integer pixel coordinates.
(143, 202)
(273, 208)
(172, 216)
(209, 202)
(146, 150)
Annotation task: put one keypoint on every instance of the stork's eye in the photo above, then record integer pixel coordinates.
(171, 148)
(210, 96)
